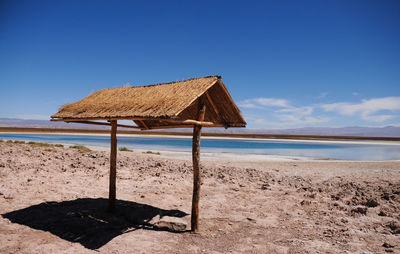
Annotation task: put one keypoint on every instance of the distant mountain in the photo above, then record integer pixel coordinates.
(388, 131)
(27, 123)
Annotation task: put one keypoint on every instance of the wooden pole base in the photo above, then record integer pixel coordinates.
(196, 170)
(113, 167)
(196, 178)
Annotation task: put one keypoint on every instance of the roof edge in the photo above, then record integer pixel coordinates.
(177, 81)
(208, 88)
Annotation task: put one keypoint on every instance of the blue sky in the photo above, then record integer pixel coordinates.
(286, 63)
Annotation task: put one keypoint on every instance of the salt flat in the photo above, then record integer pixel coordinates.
(54, 199)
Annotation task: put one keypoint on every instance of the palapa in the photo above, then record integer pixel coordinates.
(193, 103)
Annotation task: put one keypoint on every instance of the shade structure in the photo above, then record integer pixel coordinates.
(193, 103)
(160, 105)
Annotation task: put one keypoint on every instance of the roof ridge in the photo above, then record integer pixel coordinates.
(177, 81)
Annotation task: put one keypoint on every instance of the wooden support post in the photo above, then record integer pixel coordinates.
(113, 166)
(196, 170)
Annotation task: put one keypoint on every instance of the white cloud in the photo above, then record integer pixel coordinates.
(262, 122)
(322, 95)
(301, 111)
(293, 119)
(264, 102)
(300, 115)
(273, 102)
(366, 108)
(245, 104)
(377, 118)
(281, 113)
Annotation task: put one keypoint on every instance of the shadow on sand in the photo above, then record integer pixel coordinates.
(87, 221)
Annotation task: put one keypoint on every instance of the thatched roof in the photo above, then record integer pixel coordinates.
(151, 106)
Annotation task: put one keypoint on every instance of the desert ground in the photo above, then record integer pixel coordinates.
(54, 200)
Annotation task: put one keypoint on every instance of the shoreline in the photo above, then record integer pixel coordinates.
(205, 156)
(233, 157)
(216, 156)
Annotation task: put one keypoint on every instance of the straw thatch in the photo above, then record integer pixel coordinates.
(151, 106)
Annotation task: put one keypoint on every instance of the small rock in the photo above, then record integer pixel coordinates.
(305, 202)
(360, 210)
(387, 245)
(155, 219)
(8, 197)
(394, 227)
(371, 203)
(386, 196)
(344, 220)
(173, 226)
(382, 213)
(335, 197)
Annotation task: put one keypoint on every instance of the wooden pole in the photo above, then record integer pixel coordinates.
(107, 124)
(113, 167)
(196, 170)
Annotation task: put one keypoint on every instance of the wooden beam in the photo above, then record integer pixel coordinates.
(113, 167)
(144, 125)
(216, 109)
(100, 123)
(196, 169)
(193, 122)
(181, 123)
(98, 118)
(189, 121)
(191, 126)
(212, 103)
(182, 126)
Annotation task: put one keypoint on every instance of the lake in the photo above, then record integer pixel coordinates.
(344, 150)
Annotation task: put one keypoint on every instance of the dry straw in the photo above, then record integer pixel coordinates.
(156, 103)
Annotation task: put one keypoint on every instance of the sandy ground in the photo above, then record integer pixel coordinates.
(54, 200)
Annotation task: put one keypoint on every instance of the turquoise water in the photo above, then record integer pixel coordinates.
(332, 150)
